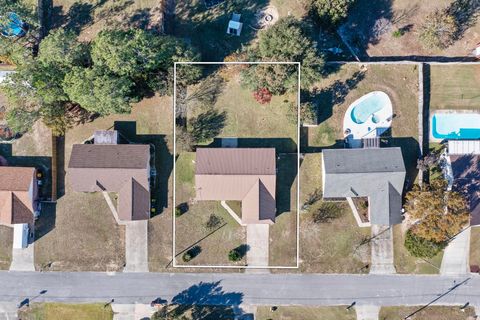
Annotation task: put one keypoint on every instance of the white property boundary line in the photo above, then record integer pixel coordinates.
(174, 263)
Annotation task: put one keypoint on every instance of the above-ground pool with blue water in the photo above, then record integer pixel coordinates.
(14, 27)
(461, 126)
(368, 106)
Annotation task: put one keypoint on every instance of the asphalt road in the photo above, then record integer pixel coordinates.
(237, 289)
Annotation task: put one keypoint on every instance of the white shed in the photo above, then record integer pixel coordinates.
(235, 26)
(20, 235)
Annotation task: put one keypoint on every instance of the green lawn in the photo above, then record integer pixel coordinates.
(306, 313)
(455, 87)
(6, 243)
(405, 263)
(431, 312)
(475, 247)
(61, 311)
(333, 247)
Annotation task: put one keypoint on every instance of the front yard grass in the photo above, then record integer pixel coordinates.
(6, 243)
(306, 313)
(431, 312)
(329, 247)
(454, 87)
(405, 263)
(60, 311)
(475, 247)
(191, 232)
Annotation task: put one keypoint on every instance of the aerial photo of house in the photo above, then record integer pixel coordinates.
(240, 159)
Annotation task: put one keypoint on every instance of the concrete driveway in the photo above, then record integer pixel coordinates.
(23, 259)
(455, 259)
(382, 250)
(8, 310)
(136, 246)
(258, 244)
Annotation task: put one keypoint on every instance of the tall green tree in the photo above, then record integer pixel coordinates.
(98, 91)
(144, 57)
(330, 13)
(286, 41)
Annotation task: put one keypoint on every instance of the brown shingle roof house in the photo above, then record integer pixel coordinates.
(18, 195)
(242, 174)
(121, 168)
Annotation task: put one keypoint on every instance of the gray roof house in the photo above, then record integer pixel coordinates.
(378, 174)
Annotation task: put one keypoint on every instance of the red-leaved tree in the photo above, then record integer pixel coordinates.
(262, 95)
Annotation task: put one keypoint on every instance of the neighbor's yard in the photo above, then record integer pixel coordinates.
(405, 263)
(60, 311)
(335, 246)
(80, 233)
(475, 247)
(373, 25)
(455, 87)
(306, 313)
(6, 243)
(431, 312)
(343, 86)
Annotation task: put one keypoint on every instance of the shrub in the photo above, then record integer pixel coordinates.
(178, 212)
(397, 33)
(308, 113)
(234, 255)
(213, 222)
(439, 30)
(262, 95)
(422, 248)
(187, 257)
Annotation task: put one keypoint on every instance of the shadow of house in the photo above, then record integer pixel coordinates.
(208, 300)
(206, 28)
(161, 161)
(46, 221)
(466, 173)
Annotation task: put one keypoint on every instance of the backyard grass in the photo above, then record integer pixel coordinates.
(255, 125)
(455, 87)
(6, 243)
(306, 313)
(431, 312)
(91, 16)
(60, 311)
(405, 263)
(408, 15)
(475, 247)
(330, 247)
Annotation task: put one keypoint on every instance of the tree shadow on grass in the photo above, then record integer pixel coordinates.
(325, 100)
(206, 28)
(207, 125)
(465, 13)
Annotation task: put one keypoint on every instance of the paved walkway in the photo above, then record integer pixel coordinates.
(456, 255)
(23, 259)
(258, 244)
(367, 312)
(8, 310)
(382, 250)
(132, 311)
(136, 246)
